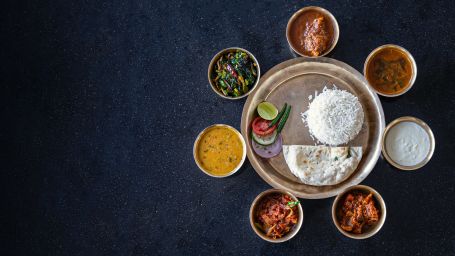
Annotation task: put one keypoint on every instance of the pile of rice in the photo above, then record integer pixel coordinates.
(334, 117)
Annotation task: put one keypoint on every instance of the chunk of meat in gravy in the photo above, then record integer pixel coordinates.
(358, 211)
(315, 38)
(370, 210)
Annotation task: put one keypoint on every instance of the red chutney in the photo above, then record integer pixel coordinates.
(276, 214)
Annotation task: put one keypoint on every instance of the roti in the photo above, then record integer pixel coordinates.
(322, 165)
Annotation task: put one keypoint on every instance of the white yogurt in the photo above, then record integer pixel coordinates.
(407, 143)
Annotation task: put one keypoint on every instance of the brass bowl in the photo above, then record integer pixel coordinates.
(196, 143)
(261, 234)
(380, 204)
(212, 64)
(421, 124)
(336, 29)
(411, 59)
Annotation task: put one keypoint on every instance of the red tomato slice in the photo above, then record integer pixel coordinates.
(261, 126)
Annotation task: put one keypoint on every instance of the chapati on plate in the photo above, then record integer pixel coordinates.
(322, 165)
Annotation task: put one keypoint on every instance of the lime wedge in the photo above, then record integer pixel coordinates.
(267, 110)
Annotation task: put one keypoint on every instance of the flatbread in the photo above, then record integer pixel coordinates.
(322, 165)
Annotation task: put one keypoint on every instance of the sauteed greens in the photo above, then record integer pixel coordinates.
(234, 73)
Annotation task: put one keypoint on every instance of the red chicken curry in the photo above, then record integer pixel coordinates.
(311, 33)
(358, 212)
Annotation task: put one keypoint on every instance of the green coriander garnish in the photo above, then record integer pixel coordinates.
(293, 203)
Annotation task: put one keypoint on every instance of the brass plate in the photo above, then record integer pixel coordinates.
(293, 81)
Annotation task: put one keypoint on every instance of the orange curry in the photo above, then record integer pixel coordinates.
(389, 71)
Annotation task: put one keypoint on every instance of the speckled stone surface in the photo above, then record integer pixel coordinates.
(102, 100)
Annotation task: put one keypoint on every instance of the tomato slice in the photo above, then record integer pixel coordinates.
(261, 126)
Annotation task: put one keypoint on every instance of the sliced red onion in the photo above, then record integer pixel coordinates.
(270, 150)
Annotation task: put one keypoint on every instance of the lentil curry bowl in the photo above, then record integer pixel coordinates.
(219, 150)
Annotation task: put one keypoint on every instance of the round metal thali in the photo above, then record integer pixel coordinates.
(292, 82)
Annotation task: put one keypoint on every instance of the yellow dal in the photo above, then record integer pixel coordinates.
(219, 151)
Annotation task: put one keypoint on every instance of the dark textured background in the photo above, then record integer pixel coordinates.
(102, 100)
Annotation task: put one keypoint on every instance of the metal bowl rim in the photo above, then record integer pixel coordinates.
(212, 62)
(407, 53)
(376, 228)
(288, 236)
(425, 127)
(319, 9)
(196, 143)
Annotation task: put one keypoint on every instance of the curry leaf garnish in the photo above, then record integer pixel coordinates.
(293, 203)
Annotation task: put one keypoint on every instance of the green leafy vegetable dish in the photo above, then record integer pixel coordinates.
(234, 73)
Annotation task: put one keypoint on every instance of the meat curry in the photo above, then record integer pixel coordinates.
(358, 212)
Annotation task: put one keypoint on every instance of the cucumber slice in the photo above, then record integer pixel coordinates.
(265, 140)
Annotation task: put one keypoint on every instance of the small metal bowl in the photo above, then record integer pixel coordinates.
(379, 203)
(212, 65)
(325, 13)
(421, 124)
(411, 59)
(261, 234)
(196, 143)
